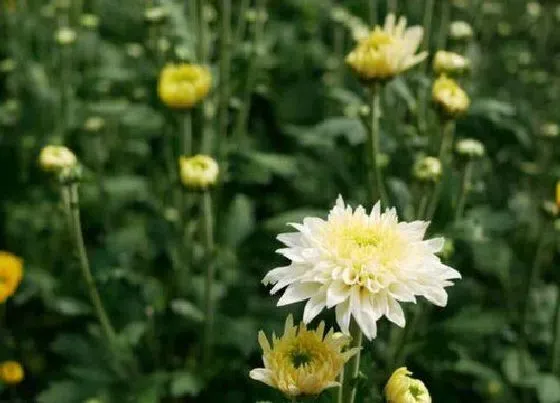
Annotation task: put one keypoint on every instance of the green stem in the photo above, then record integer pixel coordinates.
(187, 136)
(422, 91)
(377, 187)
(242, 119)
(71, 198)
(532, 278)
(225, 66)
(372, 12)
(392, 6)
(444, 25)
(445, 156)
(241, 21)
(424, 198)
(208, 226)
(555, 359)
(202, 36)
(464, 190)
(347, 392)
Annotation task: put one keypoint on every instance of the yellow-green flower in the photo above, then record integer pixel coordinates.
(57, 158)
(11, 273)
(450, 63)
(302, 362)
(182, 86)
(387, 51)
(402, 389)
(11, 372)
(427, 169)
(198, 172)
(450, 98)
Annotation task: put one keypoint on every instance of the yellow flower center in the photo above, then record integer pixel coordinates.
(379, 38)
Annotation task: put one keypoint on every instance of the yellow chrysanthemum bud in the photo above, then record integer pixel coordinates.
(470, 148)
(450, 63)
(549, 130)
(11, 273)
(94, 124)
(387, 51)
(198, 172)
(183, 85)
(57, 158)
(302, 362)
(403, 389)
(460, 31)
(11, 372)
(427, 169)
(155, 15)
(65, 36)
(89, 21)
(451, 100)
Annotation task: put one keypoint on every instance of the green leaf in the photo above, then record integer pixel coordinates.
(187, 310)
(70, 307)
(548, 388)
(511, 368)
(279, 223)
(185, 383)
(350, 128)
(240, 221)
(472, 322)
(63, 391)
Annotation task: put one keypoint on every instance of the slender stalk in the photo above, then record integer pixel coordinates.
(187, 136)
(225, 66)
(347, 392)
(372, 12)
(242, 119)
(428, 18)
(202, 37)
(463, 190)
(241, 21)
(532, 278)
(444, 24)
(422, 92)
(445, 156)
(71, 199)
(424, 198)
(208, 226)
(377, 187)
(555, 356)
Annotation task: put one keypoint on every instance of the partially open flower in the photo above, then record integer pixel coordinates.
(57, 158)
(302, 362)
(450, 63)
(403, 389)
(470, 148)
(11, 372)
(11, 273)
(460, 31)
(387, 51)
(198, 172)
(451, 100)
(183, 85)
(427, 169)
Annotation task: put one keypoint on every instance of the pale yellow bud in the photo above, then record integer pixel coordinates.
(89, 21)
(155, 15)
(198, 172)
(450, 63)
(427, 169)
(460, 31)
(65, 36)
(451, 100)
(57, 158)
(470, 148)
(402, 389)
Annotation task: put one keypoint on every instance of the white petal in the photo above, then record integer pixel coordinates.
(342, 313)
(435, 245)
(298, 292)
(366, 317)
(262, 375)
(395, 313)
(436, 295)
(314, 307)
(337, 293)
(290, 239)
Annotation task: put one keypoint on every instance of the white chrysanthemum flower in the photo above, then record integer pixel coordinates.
(361, 264)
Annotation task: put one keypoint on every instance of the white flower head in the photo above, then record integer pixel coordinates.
(361, 264)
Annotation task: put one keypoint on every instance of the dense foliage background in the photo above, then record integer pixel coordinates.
(294, 141)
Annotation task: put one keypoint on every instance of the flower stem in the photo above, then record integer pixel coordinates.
(376, 186)
(555, 364)
(372, 12)
(186, 129)
(445, 156)
(208, 227)
(241, 126)
(422, 91)
(241, 21)
(464, 190)
(444, 24)
(347, 392)
(532, 278)
(225, 65)
(71, 202)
